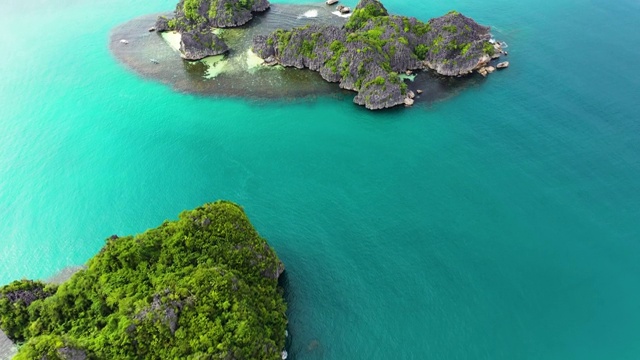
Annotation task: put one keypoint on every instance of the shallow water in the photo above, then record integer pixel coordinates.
(501, 223)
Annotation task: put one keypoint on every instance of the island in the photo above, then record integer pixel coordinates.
(373, 48)
(202, 287)
(371, 52)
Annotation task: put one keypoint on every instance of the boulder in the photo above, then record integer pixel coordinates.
(408, 101)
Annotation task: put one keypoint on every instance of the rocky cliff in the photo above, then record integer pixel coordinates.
(369, 52)
(195, 20)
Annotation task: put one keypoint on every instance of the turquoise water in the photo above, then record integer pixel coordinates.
(503, 223)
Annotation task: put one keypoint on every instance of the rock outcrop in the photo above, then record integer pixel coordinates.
(200, 44)
(456, 45)
(369, 52)
(195, 19)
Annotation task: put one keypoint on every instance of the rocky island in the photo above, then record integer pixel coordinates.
(204, 286)
(368, 51)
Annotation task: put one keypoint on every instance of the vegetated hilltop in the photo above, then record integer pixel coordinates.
(194, 20)
(201, 287)
(373, 48)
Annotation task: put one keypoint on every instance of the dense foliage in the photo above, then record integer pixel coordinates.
(15, 300)
(201, 287)
(366, 10)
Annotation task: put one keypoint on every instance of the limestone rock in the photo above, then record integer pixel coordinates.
(198, 45)
(162, 24)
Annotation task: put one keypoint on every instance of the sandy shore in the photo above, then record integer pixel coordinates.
(173, 39)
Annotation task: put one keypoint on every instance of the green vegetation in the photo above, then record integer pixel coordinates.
(362, 15)
(247, 4)
(450, 28)
(172, 24)
(421, 51)
(377, 81)
(464, 49)
(283, 37)
(190, 8)
(201, 287)
(307, 49)
(488, 48)
(337, 48)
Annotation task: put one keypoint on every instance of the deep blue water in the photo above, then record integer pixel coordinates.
(502, 223)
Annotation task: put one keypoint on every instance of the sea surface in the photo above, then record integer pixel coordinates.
(500, 223)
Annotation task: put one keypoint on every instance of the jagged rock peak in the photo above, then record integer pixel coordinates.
(364, 11)
(374, 5)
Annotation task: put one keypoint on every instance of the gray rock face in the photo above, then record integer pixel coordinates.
(198, 45)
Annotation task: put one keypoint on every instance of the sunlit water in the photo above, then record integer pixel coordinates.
(500, 223)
